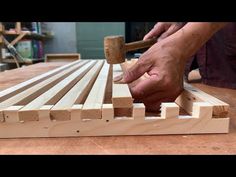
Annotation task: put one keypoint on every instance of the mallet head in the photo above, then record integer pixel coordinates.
(114, 49)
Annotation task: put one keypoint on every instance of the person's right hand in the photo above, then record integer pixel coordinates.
(163, 29)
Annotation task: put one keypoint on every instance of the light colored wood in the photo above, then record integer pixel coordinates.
(10, 114)
(92, 107)
(44, 112)
(192, 94)
(169, 110)
(107, 111)
(76, 111)
(76, 95)
(33, 92)
(18, 27)
(138, 110)
(66, 57)
(18, 38)
(160, 144)
(118, 126)
(54, 94)
(7, 93)
(1, 116)
(121, 96)
(114, 120)
(1, 28)
(202, 110)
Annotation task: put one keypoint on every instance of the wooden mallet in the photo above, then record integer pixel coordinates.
(115, 48)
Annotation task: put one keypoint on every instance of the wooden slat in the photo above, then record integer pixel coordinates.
(66, 57)
(33, 92)
(92, 108)
(192, 94)
(5, 94)
(29, 112)
(121, 96)
(77, 94)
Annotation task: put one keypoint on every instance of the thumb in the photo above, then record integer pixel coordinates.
(135, 72)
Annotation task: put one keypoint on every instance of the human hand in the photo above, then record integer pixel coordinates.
(163, 29)
(163, 82)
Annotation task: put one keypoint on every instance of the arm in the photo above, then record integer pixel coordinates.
(164, 63)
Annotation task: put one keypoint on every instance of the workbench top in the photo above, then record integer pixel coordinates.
(168, 144)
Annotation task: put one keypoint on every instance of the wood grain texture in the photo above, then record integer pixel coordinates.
(7, 93)
(92, 107)
(178, 144)
(33, 92)
(191, 95)
(121, 96)
(66, 57)
(54, 94)
(76, 95)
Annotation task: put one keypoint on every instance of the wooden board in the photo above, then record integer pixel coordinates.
(121, 96)
(92, 108)
(7, 93)
(62, 110)
(76, 95)
(66, 57)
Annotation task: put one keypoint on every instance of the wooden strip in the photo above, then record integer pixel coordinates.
(18, 38)
(33, 92)
(138, 110)
(10, 114)
(107, 112)
(66, 57)
(121, 96)
(169, 110)
(5, 94)
(77, 94)
(29, 112)
(113, 127)
(92, 108)
(202, 110)
(192, 94)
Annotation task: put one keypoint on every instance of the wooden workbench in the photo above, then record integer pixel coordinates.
(174, 144)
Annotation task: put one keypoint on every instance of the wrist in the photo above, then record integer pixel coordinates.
(192, 36)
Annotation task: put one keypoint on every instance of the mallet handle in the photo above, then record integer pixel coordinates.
(139, 44)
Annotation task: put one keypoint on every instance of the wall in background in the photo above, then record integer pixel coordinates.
(90, 37)
(64, 40)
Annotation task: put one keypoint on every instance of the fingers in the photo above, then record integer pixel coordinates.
(156, 31)
(137, 70)
(169, 32)
(146, 87)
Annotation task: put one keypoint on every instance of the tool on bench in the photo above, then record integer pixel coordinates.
(17, 57)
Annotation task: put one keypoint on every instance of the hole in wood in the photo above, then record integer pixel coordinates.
(123, 112)
(107, 120)
(77, 131)
(108, 94)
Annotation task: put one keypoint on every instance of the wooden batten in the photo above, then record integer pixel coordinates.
(54, 94)
(76, 95)
(92, 107)
(7, 93)
(121, 96)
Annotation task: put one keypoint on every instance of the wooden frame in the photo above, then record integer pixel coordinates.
(66, 57)
(82, 104)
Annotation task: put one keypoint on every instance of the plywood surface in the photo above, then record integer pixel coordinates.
(173, 144)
